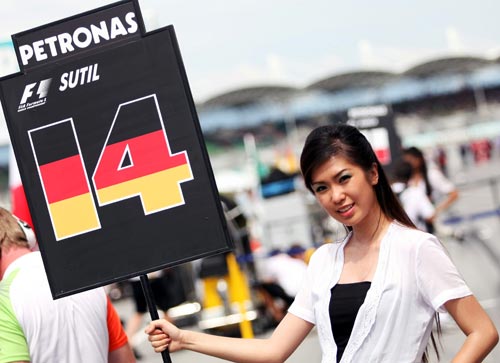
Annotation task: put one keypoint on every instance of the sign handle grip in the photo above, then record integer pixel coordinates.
(148, 294)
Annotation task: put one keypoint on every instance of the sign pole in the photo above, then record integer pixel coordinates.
(148, 293)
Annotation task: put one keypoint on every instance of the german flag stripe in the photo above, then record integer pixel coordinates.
(54, 142)
(64, 179)
(149, 154)
(74, 216)
(158, 190)
(136, 118)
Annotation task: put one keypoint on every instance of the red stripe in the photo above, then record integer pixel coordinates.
(149, 155)
(64, 179)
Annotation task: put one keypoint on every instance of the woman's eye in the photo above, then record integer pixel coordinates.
(344, 178)
(319, 189)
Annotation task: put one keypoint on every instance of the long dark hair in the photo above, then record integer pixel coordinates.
(347, 141)
(343, 140)
(418, 154)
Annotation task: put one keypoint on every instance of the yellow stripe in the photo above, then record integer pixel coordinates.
(74, 216)
(158, 191)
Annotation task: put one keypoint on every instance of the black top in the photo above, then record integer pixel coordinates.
(345, 301)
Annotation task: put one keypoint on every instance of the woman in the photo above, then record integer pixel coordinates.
(378, 290)
(413, 199)
(432, 181)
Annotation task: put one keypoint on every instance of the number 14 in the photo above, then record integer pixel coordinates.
(135, 160)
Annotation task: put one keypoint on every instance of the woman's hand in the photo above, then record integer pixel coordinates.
(163, 335)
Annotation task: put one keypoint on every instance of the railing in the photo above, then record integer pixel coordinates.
(470, 216)
(493, 182)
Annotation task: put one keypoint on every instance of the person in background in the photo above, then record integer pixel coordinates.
(427, 176)
(298, 252)
(441, 159)
(34, 328)
(413, 199)
(373, 295)
(464, 153)
(280, 281)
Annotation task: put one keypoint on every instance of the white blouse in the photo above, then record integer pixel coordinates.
(413, 279)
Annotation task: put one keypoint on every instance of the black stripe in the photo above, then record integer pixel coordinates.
(54, 143)
(135, 119)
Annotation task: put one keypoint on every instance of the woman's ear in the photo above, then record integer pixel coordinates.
(373, 175)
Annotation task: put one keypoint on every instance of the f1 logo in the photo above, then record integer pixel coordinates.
(42, 90)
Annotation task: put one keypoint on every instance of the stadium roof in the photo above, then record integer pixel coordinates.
(353, 80)
(246, 96)
(422, 79)
(447, 66)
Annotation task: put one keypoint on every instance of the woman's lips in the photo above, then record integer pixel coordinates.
(345, 211)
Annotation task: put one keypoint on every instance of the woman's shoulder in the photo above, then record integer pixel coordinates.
(323, 260)
(412, 237)
(327, 250)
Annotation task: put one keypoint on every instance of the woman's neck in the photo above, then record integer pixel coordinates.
(416, 178)
(372, 231)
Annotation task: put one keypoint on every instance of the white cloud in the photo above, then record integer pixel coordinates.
(453, 40)
(276, 67)
(366, 54)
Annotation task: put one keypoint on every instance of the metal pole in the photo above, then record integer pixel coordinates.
(148, 294)
(494, 193)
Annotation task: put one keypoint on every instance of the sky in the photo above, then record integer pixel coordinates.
(231, 44)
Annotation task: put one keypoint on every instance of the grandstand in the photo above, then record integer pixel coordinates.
(430, 91)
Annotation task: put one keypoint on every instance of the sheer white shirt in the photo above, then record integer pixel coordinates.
(414, 278)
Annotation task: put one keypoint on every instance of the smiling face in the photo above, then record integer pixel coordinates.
(346, 191)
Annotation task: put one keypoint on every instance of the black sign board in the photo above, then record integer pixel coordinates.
(110, 150)
(377, 124)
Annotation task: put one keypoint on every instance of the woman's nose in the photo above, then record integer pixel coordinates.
(338, 195)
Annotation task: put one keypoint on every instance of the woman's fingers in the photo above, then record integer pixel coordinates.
(154, 325)
(163, 335)
(149, 329)
(160, 348)
(160, 345)
(158, 336)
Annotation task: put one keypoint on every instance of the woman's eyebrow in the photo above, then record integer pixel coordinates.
(335, 176)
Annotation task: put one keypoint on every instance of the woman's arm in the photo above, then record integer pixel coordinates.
(450, 198)
(286, 338)
(482, 336)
